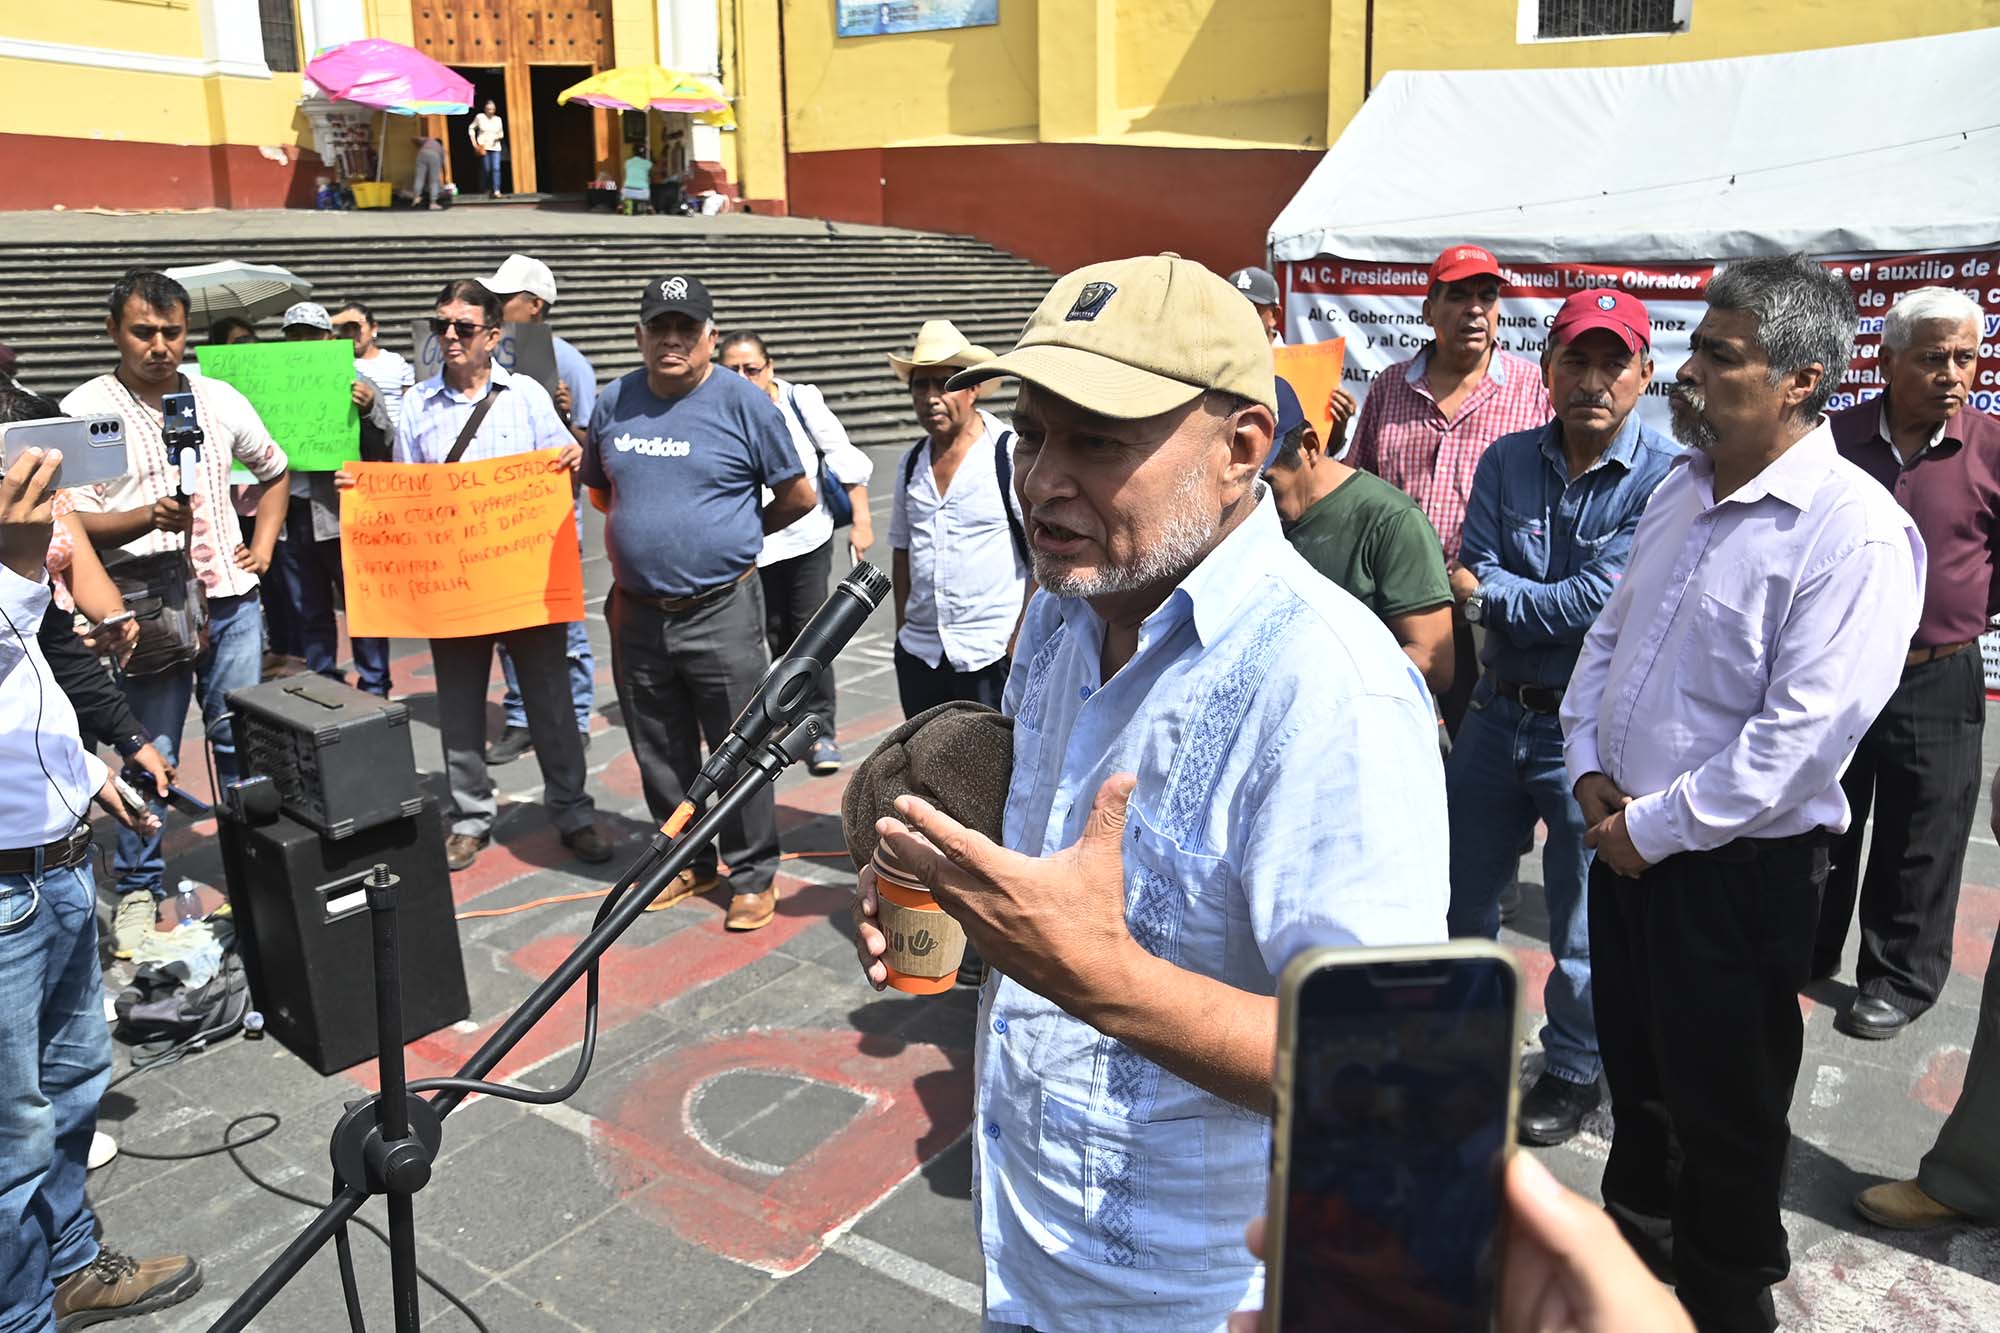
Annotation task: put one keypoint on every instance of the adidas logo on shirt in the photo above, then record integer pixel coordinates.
(652, 448)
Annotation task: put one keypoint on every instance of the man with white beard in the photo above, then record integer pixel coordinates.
(1220, 760)
(1760, 626)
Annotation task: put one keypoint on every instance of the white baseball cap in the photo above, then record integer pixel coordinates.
(520, 273)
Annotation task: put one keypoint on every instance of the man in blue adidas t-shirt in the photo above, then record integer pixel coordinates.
(676, 458)
(960, 556)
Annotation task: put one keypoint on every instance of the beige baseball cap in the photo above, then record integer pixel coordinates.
(1133, 338)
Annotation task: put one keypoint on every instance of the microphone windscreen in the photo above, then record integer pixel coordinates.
(958, 756)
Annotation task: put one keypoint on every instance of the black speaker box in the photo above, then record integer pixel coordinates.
(302, 927)
(341, 759)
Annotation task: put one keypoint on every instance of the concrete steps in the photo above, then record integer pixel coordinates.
(829, 307)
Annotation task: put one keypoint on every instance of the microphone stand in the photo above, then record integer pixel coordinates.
(385, 1144)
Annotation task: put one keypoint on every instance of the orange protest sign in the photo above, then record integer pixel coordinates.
(444, 550)
(1313, 371)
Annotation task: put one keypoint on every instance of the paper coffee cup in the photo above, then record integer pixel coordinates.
(925, 946)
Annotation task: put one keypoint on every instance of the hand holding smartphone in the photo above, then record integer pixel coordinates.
(1396, 1082)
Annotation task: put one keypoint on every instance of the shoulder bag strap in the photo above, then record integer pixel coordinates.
(473, 422)
(1003, 468)
(792, 401)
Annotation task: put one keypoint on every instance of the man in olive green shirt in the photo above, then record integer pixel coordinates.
(1366, 536)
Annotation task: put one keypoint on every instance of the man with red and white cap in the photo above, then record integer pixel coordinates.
(1547, 533)
(1427, 420)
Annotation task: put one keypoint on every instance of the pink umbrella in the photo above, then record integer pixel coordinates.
(389, 77)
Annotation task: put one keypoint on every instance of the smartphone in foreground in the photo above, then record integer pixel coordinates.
(1395, 1113)
(93, 448)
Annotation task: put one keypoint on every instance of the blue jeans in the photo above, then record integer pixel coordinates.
(1505, 770)
(490, 166)
(312, 574)
(234, 661)
(55, 1062)
(582, 666)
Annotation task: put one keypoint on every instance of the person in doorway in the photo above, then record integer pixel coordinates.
(1366, 536)
(1759, 628)
(1919, 763)
(680, 454)
(144, 523)
(489, 140)
(474, 409)
(957, 539)
(1546, 537)
(1428, 419)
(527, 288)
(797, 561)
(428, 182)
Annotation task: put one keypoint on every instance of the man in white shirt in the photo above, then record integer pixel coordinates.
(1760, 626)
(143, 516)
(960, 559)
(55, 1050)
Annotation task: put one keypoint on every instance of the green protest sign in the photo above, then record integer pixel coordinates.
(304, 391)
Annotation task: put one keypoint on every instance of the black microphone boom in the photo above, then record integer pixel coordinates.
(783, 694)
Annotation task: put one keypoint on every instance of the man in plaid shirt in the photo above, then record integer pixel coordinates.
(1428, 420)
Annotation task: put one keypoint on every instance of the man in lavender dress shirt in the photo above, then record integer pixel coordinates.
(1760, 627)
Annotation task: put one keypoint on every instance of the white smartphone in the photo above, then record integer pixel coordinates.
(93, 448)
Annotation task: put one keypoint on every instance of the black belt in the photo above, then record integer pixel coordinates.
(689, 603)
(1534, 698)
(1740, 850)
(65, 851)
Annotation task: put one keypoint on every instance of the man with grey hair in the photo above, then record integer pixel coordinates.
(1919, 764)
(1757, 631)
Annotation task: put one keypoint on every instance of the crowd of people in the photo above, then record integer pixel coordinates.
(1268, 692)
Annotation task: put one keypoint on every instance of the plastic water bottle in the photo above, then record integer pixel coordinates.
(187, 905)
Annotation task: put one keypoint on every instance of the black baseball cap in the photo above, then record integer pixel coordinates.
(676, 294)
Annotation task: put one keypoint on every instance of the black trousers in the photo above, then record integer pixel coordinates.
(793, 590)
(682, 677)
(1696, 970)
(1918, 768)
(921, 685)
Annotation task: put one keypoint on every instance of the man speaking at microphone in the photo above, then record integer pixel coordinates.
(676, 458)
(1220, 759)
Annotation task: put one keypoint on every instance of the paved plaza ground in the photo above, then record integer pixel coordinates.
(766, 1143)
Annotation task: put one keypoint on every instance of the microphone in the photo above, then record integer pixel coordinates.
(781, 696)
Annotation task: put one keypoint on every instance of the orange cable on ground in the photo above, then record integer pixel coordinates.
(599, 893)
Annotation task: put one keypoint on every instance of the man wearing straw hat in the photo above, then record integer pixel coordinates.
(960, 550)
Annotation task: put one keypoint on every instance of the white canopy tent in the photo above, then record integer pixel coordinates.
(1890, 147)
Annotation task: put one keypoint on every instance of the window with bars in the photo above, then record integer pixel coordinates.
(1609, 18)
(281, 34)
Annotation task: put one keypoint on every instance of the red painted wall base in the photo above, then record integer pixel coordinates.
(42, 171)
(1063, 205)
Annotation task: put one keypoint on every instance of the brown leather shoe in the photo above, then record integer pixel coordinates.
(115, 1286)
(589, 845)
(684, 885)
(752, 911)
(1903, 1206)
(461, 849)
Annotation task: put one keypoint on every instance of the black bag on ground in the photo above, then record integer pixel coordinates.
(160, 1007)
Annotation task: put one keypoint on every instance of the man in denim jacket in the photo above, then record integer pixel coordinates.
(1547, 532)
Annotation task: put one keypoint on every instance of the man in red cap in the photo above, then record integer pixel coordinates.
(1547, 533)
(1428, 419)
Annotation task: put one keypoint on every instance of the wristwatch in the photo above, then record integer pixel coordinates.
(1475, 608)
(128, 746)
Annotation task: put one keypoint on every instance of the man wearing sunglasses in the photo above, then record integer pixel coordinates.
(514, 415)
(678, 457)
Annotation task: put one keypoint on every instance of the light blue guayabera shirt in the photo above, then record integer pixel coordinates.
(1289, 796)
